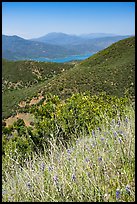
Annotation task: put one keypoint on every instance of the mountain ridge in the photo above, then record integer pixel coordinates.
(17, 48)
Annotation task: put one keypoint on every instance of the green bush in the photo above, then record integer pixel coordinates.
(65, 120)
(81, 111)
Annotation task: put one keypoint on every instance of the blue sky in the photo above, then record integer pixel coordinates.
(35, 19)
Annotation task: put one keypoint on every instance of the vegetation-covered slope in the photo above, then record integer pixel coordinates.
(79, 150)
(21, 74)
(111, 70)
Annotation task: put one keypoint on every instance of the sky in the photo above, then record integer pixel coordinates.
(36, 19)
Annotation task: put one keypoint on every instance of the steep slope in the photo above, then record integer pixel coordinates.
(111, 70)
(21, 74)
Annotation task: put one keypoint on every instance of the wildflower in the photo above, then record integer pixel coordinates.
(100, 159)
(29, 185)
(55, 179)
(126, 119)
(115, 134)
(89, 174)
(42, 167)
(99, 129)
(117, 194)
(118, 123)
(50, 168)
(113, 121)
(73, 177)
(102, 139)
(87, 160)
(128, 189)
(120, 132)
(68, 151)
(93, 132)
(119, 139)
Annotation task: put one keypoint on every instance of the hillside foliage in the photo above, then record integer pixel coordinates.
(111, 70)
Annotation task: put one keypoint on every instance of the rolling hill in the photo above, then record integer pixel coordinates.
(20, 74)
(111, 70)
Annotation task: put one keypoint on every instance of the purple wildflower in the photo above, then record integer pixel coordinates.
(118, 123)
(113, 121)
(117, 194)
(102, 139)
(126, 119)
(73, 177)
(42, 167)
(68, 151)
(119, 139)
(115, 134)
(50, 168)
(128, 189)
(100, 159)
(29, 185)
(55, 178)
(87, 160)
(93, 132)
(120, 132)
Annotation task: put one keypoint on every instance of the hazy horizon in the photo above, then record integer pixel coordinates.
(35, 19)
(113, 34)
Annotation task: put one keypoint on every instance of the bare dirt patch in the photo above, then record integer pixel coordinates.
(35, 100)
(27, 117)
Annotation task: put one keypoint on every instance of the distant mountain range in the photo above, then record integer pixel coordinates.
(16, 48)
(62, 38)
(55, 45)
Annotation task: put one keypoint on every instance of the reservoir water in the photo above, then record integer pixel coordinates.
(62, 60)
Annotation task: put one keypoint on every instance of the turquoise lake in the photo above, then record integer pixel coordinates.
(62, 60)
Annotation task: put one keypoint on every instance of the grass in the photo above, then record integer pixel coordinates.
(95, 168)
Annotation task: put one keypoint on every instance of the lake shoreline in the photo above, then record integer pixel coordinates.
(60, 60)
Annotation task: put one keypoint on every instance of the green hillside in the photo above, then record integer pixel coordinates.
(111, 70)
(21, 74)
